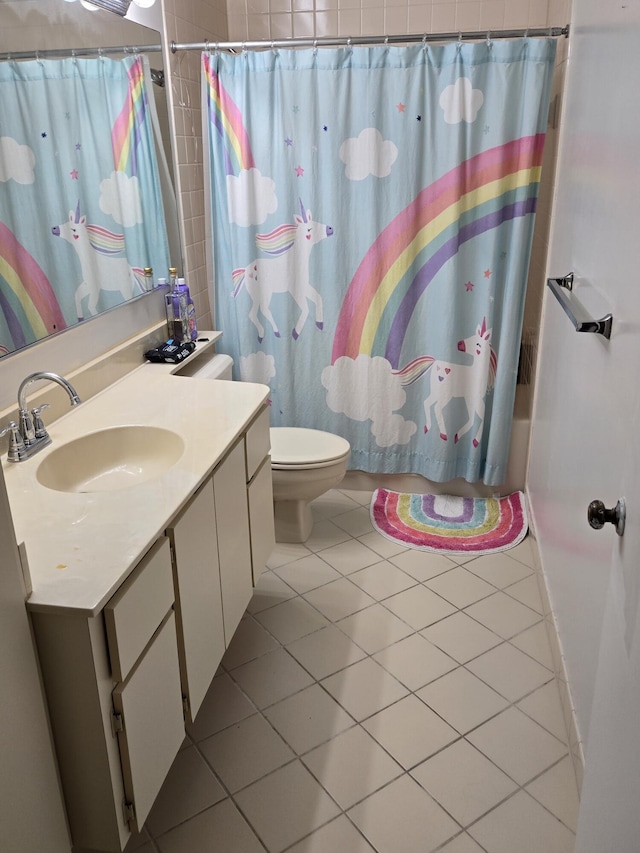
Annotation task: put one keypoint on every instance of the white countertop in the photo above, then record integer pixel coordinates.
(80, 547)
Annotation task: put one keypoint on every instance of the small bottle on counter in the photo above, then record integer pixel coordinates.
(191, 309)
(176, 306)
(148, 278)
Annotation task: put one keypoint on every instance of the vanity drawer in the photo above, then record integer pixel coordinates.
(133, 614)
(258, 443)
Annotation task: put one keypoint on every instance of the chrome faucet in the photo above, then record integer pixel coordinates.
(30, 435)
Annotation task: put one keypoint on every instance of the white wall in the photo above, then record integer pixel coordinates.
(584, 436)
(31, 814)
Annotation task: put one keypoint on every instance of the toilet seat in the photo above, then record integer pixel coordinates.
(298, 448)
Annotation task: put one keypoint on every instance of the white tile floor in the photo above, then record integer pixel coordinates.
(377, 699)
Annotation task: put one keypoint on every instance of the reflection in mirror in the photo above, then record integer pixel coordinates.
(86, 198)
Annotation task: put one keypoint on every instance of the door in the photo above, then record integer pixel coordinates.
(585, 441)
(609, 816)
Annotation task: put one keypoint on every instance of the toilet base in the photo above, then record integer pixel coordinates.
(293, 521)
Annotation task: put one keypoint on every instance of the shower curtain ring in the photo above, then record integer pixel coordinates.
(315, 47)
(488, 38)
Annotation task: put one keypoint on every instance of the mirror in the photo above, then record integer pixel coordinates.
(124, 215)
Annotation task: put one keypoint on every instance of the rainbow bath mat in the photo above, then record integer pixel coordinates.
(450, 525)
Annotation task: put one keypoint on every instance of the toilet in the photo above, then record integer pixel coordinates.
(305, 463)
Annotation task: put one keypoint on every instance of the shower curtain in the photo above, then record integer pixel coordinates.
(372, 216)
(81, 210)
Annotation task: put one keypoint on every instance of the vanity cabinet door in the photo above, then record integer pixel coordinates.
(152, 723)
(258, 443)
(234, 548)
(198, 596)
(261, 521)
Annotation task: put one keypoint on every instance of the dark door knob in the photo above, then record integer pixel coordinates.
(598, 515)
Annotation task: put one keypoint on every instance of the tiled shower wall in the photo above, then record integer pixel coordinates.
(255, 19)
(214, 20)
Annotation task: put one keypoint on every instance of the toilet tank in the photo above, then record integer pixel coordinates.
(217, 366)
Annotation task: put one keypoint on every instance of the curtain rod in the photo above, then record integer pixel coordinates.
(337, 41)
(63, 53)
(266, 44)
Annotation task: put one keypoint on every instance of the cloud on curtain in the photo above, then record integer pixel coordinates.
(373, 213)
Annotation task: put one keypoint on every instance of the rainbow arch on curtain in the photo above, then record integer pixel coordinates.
(226, 117)
(125, 134)
(28, 287)
(476, 196)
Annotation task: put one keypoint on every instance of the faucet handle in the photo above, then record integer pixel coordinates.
(12, 425)
(38, 425)
(16, 443)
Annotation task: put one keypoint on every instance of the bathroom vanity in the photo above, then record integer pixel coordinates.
(139, 586)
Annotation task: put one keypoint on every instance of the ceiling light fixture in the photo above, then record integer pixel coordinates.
(120, 7)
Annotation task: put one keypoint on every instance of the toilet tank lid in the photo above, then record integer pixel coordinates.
(211, 368)
(297, 445)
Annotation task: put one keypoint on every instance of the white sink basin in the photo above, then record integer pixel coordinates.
(110, 459)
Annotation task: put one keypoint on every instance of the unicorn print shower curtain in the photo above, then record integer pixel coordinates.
(81, 210)
(372, 216)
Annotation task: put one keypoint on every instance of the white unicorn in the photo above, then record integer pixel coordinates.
(287, 270)
(471, 381)
(101, 270)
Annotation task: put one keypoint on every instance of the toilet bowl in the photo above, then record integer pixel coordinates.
(305, 463)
